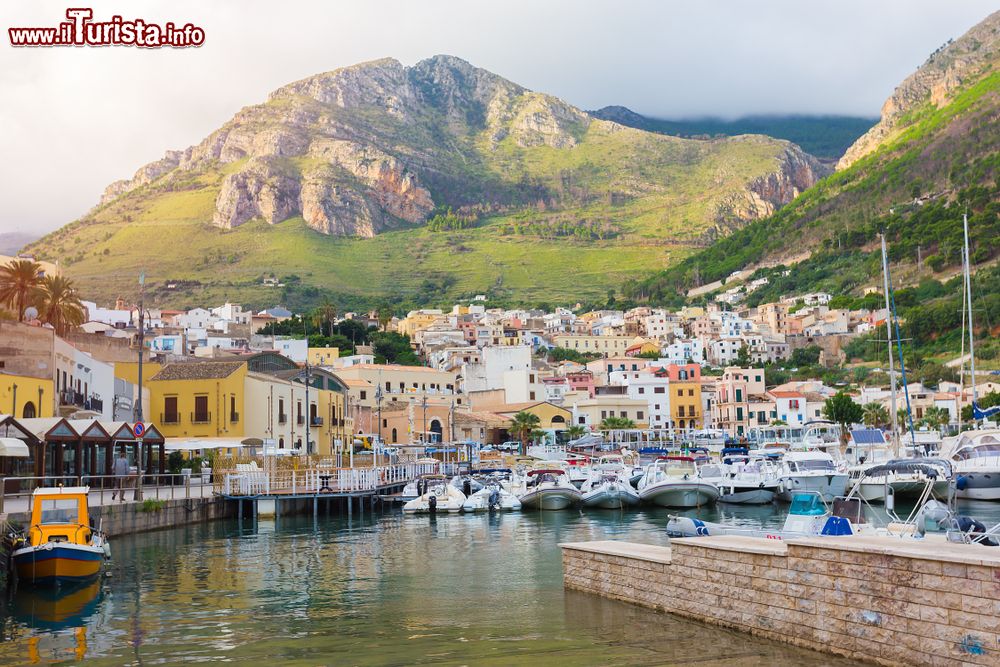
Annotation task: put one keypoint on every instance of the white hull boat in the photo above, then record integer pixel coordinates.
(674, 482)
(492, 498)
(441, 498)
(613, 494)
(549, 489)
(808, 472)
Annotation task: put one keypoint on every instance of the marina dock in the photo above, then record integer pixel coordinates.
(874, 599)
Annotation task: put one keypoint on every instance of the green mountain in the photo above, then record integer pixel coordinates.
(826, 137)
(934, 154)
(437, 180)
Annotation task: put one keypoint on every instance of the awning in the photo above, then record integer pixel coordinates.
(14, 448)
(190, 444)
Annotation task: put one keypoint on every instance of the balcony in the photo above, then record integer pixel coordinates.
(316, 421)
(234, 417)
(282, 419)
(201, 417)
(170, 418)
(300, 420)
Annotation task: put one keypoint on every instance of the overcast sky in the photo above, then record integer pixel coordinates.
(74, 119)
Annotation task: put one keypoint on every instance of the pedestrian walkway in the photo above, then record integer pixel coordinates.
(14, 504)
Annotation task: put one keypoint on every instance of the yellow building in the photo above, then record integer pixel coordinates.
(550, 416)
(323, 356)
(418, 320)
(593, 411)
(685, 405)
(25, 397)
(608, 346)
(199, 399)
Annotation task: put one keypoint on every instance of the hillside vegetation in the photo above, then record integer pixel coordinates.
(435, 181)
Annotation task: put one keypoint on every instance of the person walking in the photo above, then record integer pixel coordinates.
(121, 471)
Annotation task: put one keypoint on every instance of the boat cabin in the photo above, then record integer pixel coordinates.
(59, 515)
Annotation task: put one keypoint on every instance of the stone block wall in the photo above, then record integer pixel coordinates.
(882, 600)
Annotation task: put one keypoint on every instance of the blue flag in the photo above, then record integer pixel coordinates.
(979, 413)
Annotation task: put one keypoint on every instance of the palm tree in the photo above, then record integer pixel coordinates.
(384, 315)
(876, 414)
(522, 426)
(576, 431)
(936, 417)
(19, 281)
(616, 423)
(327, 313)
(60, 305)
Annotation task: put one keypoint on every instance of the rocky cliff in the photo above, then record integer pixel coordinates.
(377, 146)
(934, 82)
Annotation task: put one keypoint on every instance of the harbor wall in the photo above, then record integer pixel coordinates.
(156, 515)
(879, 600)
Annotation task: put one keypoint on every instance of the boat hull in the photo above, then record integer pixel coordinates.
(755, 495)
(611, 497)
(828, 486)
(680, 494)
(480, 502)
(56, 563)
(902, 489)
(550, 499)
(980, 485)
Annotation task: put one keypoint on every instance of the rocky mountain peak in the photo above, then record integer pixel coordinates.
(946, 70)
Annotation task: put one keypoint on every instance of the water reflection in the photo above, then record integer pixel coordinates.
(379, 590)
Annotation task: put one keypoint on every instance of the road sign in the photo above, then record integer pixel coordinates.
(139, 429)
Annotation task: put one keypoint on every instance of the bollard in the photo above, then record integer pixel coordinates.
(187, 488)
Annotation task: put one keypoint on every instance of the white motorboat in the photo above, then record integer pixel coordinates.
(975, 456)
(418, 487)
(467, 484)
(811, 471)
(608, 485)
(868, 452)
(549, 488)
(493, 497)
(744, 480)
(440, 496)
(819, 434)
(673, 481)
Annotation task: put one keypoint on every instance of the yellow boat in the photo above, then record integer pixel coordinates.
(60, 545)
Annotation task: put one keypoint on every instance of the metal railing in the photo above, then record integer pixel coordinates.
(158, 486)
(201, 417)
(249, 480)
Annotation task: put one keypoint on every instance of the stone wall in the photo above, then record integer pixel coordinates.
(882, 600)
(137, 517)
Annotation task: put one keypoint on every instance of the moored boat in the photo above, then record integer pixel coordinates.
(438, 496)
(673, 481)
(608, 486)
(811, 471)
(549, 489)
(60, 545)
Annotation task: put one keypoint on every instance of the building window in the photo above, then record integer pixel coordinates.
(170, 414)
(364, 395)
(201, 413)
(642, 390)
(234, 416)
(680, 392)
(659, 390)
(282, 417)
(624, 415)
(690, 392)
(604, 414)
(639, 415)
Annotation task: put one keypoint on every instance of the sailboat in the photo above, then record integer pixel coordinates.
(975, 453)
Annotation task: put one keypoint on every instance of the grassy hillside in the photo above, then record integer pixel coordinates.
(825, 137)
(533, 200)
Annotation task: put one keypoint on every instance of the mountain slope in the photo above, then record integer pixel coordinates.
(382, 179)
(826, 137)
(937, 154)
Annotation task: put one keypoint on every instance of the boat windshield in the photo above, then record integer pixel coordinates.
(60, 510)
(807, 504)
(711, 471)
(813, 464)
(980, 451)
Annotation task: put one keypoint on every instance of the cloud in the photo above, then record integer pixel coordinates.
(74, 119)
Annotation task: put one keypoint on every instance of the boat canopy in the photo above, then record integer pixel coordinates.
(932, 468)
(546, 471)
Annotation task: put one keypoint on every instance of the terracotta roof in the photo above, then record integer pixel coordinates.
(786, 394)
(198, 370)
(481, 417)
(507, 408)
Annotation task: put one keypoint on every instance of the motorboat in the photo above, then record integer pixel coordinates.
(867, 453)
(438, 496)
(810, 471)
(467, 484)
(549, 488)
(808, 516)
(742, 479)
(494, 496)
(417, 487)
(60, 546)
(608, 486)
(673, 481)
(975, 457)
(711, 438)
(820, 434)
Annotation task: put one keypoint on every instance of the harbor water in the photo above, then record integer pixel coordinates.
(383, 589)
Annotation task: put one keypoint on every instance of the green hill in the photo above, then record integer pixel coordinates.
(826, 137)
(933, 155)
(413, 183)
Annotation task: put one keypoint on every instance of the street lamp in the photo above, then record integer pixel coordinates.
(138, 412)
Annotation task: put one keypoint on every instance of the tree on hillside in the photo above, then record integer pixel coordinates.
(384, 315)
(616, 424)
(842, 409)
(19, 284)
(522, 426)
(875, 414)
(326, 315)
(59, 304)
(743, 357)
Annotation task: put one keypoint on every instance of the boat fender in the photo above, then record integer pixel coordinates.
(107, 550)
(432, 504)
(961, 482)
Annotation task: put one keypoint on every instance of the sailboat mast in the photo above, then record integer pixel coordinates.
(888, 331)
(968, 302)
